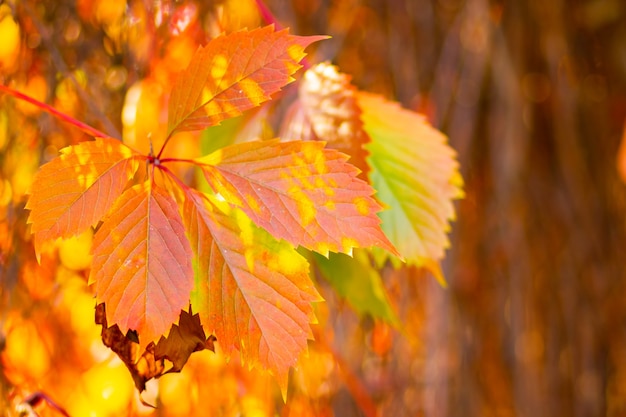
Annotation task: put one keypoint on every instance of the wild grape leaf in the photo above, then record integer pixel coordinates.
(75, 190)
(415, 174)
(142, 263)
(234, 73)
(300, 192)
(359, 284)
(252, 292)
(327, 110)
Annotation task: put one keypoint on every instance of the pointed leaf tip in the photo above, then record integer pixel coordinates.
(234, 73)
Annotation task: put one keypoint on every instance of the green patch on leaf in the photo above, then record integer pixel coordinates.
(358, 283)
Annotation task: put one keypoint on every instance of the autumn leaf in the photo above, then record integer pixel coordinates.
(416, 176)
(142, 263)
(75, 190)
(327, 110)
(252, 292)
(415, 173)
(234, 73)
(142, 365)
(298, 191)
(231, 254)
(183, 339)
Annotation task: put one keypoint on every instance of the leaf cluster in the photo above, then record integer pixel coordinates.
(173, 264)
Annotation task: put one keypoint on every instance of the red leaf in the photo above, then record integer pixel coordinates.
(300, 192)
(73, 191)
(142, 263)
(234, 73)
(253, 292)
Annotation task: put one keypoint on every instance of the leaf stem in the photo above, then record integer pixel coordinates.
(191, 161)
(151, 172)
(92, 131)
(173, 177)
(36, 398)
(163, 146)
(267, 14)
(58, 61)
(269, 18)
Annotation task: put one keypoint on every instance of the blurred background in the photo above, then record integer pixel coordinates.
(532, 95)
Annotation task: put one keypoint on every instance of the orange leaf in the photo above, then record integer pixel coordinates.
(253, 291)
(327, 110)
(234, 73)
(142, 263)
(300, 192)
(73, 191)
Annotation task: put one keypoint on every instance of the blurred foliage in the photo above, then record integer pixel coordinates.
(531, 94)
